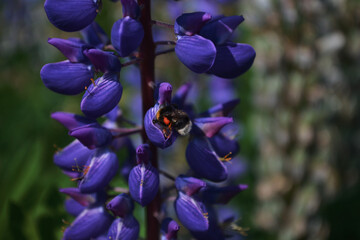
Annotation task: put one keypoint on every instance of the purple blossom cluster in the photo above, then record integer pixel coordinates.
(204, 45)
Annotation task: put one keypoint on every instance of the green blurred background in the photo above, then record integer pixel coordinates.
(299, 112)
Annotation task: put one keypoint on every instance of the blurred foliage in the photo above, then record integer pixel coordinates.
(299, 111)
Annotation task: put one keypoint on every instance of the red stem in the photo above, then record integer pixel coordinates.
(147, 64)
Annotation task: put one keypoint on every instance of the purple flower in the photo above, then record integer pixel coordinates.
(189, 209)
(205, 46)
(204, 161)
(127, 33)
(92, 135)
(73, 207)
(100, 170)
(69, 15)
(91, 223)
(95, 36)
(124, 228)
(143, 178)
(121, 205)
(169, 229)
(159, 134)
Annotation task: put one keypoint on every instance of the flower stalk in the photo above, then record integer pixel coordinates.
(147, 54)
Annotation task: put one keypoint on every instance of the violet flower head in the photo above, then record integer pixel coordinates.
(127, 33)
(204, 45)
(190, 210)
(155, 132)
(71, 16)
(121, 205)
(143, 178)
(169, 229)
(68, 77)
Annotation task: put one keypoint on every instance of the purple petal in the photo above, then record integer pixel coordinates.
(196, 53)
(70, 15)
(143, 154)
(154, 133)
(191, 213)
(66, 77)
(73, 50)
(130, 8)
(232, 60)
(73, 207)
(126, 35)
(203, 160)
(71, 120)
(189, 185)
(237, 168)
(84, 199)
(165, 91)
(224, 146)
(95, 35)
(124, 228)
(103, 97)
(121, 205)
(190, 23)
(181, 94)
(212, 125)
(102, 168)
(73, 157)
(169, 229)
(143, 183)
(103, 61)
(219, 31)
(222, 109)
(222, 89)
(92, 135)
(89, 224)
(221, 195)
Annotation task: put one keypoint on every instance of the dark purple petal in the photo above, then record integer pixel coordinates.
(143, 183)
(189, 185)
(196, 53)
(103, 61)
(165, 91)
(181, 94)
(212, 125)
(219, 31)
(95, 35)
(190, 23)
(124, 228)
(84, 199)
(222, 109)
(221, 195)
(130, 8)
(191, 213)
(114, 114)
(103, 97)
(232, 60)
(92, 135)
(73, 207)
(143, 154)
(89, 224)
(102, 167)
(154, 133)
(204, 161)
(73, 157)
(126, 35)
(70, 15)
(224, 146)
(121, 205)
(72, 49)
(71, 120)
(66, 77)
(169, 229)
(236, 168)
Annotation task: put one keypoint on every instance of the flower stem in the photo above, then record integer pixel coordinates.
(162, 24)
(165, 51)
(147, 55)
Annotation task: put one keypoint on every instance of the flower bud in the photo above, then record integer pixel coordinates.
(121, 205)
(143, 178)
(169, 229)
(124, 228)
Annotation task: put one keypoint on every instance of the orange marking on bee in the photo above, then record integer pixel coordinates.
(166, 121)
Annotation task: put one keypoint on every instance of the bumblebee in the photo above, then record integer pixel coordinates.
(171, 118)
